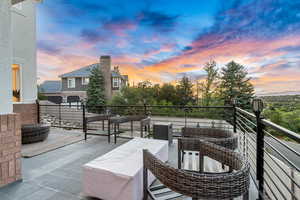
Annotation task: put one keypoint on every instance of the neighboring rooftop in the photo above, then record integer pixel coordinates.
(50, 87)
(82, 72)
(86, 72)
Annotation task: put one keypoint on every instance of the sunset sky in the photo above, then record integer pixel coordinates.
(162, 40)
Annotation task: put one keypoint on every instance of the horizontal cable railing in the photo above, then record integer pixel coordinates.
(66, 116)
(275, 163)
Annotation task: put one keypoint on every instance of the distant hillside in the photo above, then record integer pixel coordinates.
(280, 93)
(279, 100)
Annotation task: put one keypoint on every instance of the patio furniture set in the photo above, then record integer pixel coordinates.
(129, 171)
(114, 122)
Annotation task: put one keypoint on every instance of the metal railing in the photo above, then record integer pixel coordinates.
(64, 116)
(274, 162)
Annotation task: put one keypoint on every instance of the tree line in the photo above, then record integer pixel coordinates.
(219, 87)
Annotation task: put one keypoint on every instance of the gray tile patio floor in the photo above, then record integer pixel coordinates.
(56, 175)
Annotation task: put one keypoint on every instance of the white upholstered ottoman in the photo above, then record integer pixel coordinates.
(118, 175)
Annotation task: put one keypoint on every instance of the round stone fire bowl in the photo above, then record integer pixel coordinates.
(32, 133)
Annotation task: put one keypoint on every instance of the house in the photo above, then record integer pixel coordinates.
(18, 91)
(73, 84)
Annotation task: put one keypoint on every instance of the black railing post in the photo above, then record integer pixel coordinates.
(185, 116)
(234, 118)
(84, 125)
(59, 114)
(145, 109)
(260, 155)
(38, 111)
(233, 103)
(257, 106)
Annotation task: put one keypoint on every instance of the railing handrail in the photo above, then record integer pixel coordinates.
(142, 106)
(281, 129)
(276, 127)
(166, 106)
(251, 115)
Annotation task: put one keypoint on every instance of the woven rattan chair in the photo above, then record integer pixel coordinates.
(201, 185)
(221, 137)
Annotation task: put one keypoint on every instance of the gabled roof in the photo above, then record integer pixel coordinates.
(50, 87)
(86, 72)
(82, 72)
(116, 74)
(18, 1)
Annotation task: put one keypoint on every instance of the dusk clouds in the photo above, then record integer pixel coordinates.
(162, 40)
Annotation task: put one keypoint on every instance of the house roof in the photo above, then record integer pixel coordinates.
(50, 87)
(116, 74)
(86, 72)
(82, 72)
(18, 1)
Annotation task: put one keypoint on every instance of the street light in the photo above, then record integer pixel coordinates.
(257, 106)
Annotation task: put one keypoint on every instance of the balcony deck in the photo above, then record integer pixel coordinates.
(57, 174)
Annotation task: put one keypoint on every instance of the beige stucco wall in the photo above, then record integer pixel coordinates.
(24, 48)
(5, 57)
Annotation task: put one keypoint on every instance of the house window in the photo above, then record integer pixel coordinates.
(85, 81)
(16, 83)
(115, 82)
(71, 82)
(18, 6)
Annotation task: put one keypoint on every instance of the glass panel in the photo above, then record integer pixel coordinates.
(16, 83)
(71, 83)
(85, 81)
(18, 6)
(115, 82)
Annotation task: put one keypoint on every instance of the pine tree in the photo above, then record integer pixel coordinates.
(95, 90)
(184, 91)
(236, 85)
(210, 83)
(167, 93)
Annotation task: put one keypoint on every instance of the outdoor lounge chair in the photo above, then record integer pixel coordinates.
(200, 185)
(221, 137)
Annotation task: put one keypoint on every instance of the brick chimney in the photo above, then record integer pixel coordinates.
(105, 66)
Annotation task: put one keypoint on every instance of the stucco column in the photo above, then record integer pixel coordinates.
(5, 58)
(105, 66)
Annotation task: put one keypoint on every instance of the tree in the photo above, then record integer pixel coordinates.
(95, 90)
(210, 83)
(146, 91)
(40, 94)
(167, 93)
(184, 91)
(235, 85)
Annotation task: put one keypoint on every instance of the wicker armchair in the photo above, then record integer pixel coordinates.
(221, 137)
(201, 185)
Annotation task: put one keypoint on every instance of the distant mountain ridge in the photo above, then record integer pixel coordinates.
(284, 93)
